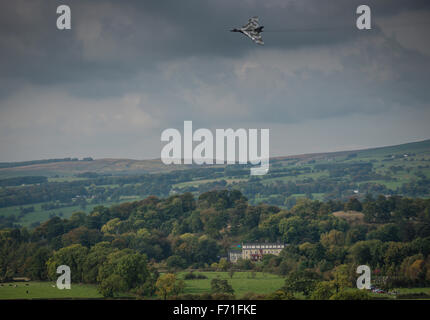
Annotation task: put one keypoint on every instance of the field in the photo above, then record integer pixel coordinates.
(40, 214)
(350, 216)
(45, 290)
(264, 283)
(242, 282)
(402, 170)
(70, 168)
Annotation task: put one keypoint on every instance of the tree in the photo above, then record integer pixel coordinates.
(323, 290)
(82, 235)
(300, 281)
(95, 259)
(186, 246)
(369, 252)
(333, 238)
(193, 222)
(223, 264)
(244, 264)
(72, 256)
(207, 250)
(148, 289)
(281, 295)
(417, 270)
(341, 278)
(36, 265)
(176, 262)
(133, 269)
(413, 268)
(353, 294)
(385, 233)
(221, 286)
(353, 204)
(112, 285)
(112, 226)
(377, 211)
(395, 253)
(355, 234)
(231, 273)
(168, 285)
(370, 211)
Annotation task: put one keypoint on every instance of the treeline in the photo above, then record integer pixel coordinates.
(343, 181)
(121, 247)
(55, 191)
(280, 192)
(100, 188)
(360, 169)
(17, 181)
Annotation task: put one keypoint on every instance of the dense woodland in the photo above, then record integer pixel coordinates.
(124, 247)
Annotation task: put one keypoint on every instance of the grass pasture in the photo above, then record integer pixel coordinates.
(242, 282)
(40, 215)
(45, 290)
(350, 216)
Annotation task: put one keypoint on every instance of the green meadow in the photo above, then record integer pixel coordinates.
(46, 290)
(40, 214)
(241, 282)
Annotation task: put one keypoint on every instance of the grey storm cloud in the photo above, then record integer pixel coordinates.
(129, 69)
(117, 39)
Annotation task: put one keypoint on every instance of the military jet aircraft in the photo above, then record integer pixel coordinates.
(252, 30)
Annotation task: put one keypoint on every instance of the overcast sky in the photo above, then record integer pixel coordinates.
(130, 69)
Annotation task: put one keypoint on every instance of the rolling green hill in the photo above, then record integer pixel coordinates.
(129, 166)
(32, 192)
(70, 168)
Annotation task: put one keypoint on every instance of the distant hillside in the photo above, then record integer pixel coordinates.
(101, 166)
(420, 147)
(33, 162)
(71, 166)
